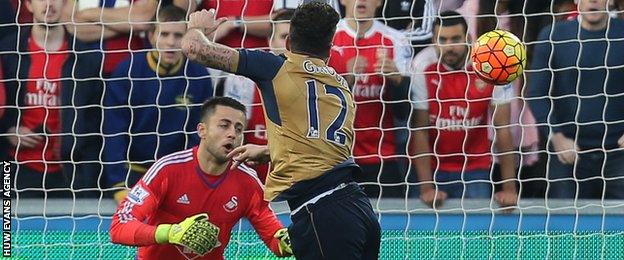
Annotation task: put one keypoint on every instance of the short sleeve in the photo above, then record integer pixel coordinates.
(402, 55)
(502, 94)
(258, 65)
(418, 91)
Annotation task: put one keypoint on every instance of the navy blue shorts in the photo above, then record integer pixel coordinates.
(341, 225)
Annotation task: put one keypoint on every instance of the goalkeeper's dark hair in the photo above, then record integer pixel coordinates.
(312, 29)
(451, 18)
(170, 13)
(210, 105)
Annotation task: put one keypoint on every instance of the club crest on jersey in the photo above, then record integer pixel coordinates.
(480, 85)
(231, 205)
(138, 195)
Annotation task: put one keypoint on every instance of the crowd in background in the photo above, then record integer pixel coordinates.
(93, 92)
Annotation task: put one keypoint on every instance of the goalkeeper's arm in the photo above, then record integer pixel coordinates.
(128, 227)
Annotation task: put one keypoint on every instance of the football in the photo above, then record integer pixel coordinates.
(498, 57)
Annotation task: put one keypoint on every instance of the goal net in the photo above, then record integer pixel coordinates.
(88, 102)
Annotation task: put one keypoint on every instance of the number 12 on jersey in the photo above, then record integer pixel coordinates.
(334, 132)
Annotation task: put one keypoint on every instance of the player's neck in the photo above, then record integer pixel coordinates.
(360, 27)
(49, 37)
(208, 163)
(310, 55)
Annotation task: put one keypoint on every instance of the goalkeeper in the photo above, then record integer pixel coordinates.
(187, 203)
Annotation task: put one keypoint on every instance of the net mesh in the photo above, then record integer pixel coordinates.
(82, 91)
(395, 245)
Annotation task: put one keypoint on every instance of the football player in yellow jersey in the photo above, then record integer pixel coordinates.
(309, 110)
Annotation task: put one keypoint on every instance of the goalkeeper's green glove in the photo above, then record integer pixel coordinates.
(284, 242)
(195, 233)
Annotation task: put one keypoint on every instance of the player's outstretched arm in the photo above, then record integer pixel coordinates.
(250, 154)
(197, 46)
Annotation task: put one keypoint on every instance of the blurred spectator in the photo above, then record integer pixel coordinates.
(24, 16)
(248, 24)
(400, 14)
(373, 58)
(245, 91)
(112, 26)
(8, 25)
(500, 15)
(564, 10)
(618, 9)
(55, 121)
(152, 103)
(578, 101)
(416, 17)
(451, 109)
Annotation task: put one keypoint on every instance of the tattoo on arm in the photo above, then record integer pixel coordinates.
(199, 49)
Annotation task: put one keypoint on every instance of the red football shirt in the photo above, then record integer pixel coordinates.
(373, 118)
(175, 188)
(242, 9)
(42, 99)
(458, 103)
(118, 48)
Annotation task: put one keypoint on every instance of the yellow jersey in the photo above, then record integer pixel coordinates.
(309, 111)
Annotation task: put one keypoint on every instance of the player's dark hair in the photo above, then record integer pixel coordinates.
(170, 13)
(211, 104)
(312, 29)
(451, 18)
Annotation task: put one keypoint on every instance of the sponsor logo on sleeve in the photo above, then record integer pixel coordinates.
(138, 195)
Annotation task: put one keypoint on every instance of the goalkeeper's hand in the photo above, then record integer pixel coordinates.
(195, 233)
(284, 242)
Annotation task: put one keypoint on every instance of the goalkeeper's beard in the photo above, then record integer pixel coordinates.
(219, 158)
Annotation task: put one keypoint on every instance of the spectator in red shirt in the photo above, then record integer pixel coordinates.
(374, 58)
(23, 14)
(248, 24)
(194, 181)
(105, 24)
(451, 107)
(114, 26)
(55, 114)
